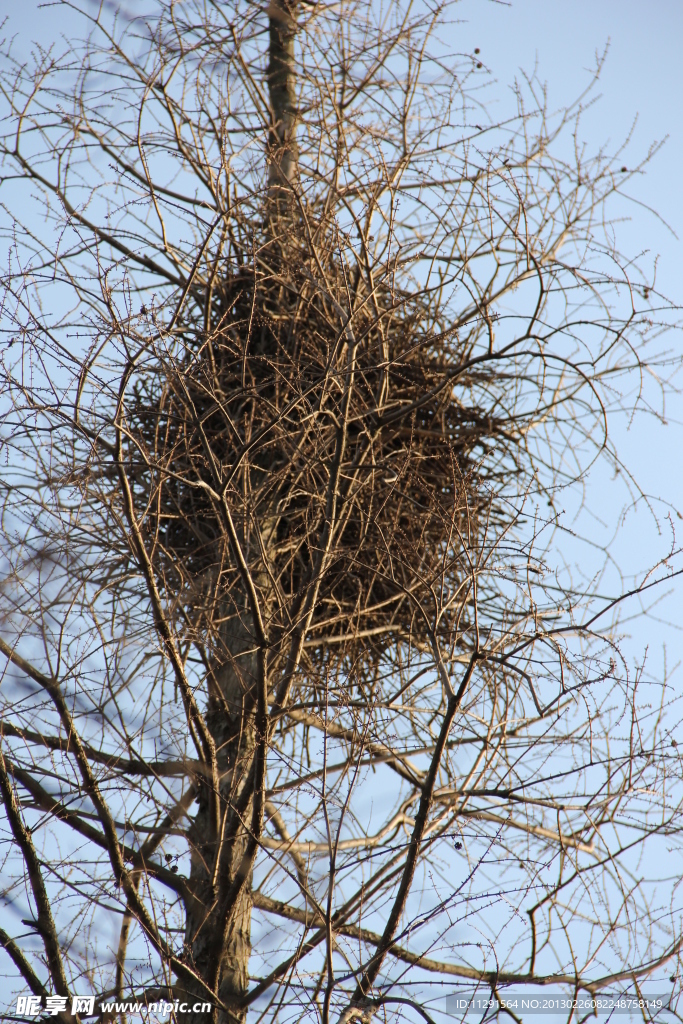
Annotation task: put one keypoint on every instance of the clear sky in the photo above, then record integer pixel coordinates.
(642, 79)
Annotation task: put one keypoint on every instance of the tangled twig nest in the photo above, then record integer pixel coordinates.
(340, 430)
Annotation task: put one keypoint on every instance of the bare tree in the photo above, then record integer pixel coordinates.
(307, 711)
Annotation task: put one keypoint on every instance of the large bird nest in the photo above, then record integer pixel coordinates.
(353, 458)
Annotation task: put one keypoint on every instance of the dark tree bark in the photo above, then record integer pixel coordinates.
(221, 954)
(282, 155)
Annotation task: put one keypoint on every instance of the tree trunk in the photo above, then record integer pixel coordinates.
(233, 730)
(223, 963)
(282, 148)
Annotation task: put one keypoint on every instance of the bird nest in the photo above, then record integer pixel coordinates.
(348, 452)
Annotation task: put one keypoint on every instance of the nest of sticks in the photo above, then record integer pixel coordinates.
(339, 428)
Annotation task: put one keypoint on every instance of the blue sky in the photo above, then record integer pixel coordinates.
(642, 82)
(642, 78)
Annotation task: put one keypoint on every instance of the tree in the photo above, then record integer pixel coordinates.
(303, 715)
